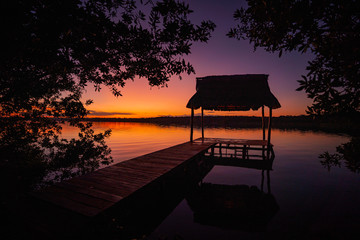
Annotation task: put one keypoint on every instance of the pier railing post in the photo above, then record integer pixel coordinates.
(192, 125)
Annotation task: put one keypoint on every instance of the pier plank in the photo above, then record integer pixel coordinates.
(67, 203)
(103, 186)
(91, 192)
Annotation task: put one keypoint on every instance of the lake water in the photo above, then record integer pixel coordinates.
(311, 201)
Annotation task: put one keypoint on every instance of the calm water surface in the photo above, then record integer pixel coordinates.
(313, 203)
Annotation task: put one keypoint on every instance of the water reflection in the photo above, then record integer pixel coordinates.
(130, 139)
(313, 202)
(347, 153)
(237, 206)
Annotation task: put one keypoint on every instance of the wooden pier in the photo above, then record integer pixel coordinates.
(93, 193)
(130, 189)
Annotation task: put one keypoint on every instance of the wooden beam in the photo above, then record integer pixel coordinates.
(202, 123)
(192, 125)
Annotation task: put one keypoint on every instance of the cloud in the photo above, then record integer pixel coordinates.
(99, 113)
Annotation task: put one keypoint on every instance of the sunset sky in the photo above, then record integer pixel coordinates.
(220, 56)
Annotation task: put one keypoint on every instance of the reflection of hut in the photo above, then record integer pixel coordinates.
(233, 93)
(244, 163)
(232, 206)
(235, 206)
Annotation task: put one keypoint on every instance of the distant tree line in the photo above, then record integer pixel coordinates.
(303, 122)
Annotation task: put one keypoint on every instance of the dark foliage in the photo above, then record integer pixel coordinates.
(51, 50)
(347, 153)
(328, 29)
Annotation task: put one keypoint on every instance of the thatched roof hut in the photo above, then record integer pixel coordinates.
(233, 93)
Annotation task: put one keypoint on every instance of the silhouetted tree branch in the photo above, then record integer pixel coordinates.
(328, 29)
(51, 50)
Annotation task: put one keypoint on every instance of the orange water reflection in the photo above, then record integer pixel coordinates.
(130, 140)
(301, 186)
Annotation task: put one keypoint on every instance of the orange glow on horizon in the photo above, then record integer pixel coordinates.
(139, 100)
(276, 113)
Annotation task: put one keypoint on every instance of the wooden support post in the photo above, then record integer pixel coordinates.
(262, 180)
(268, 181)
(263, 122)
(244, 152)
(269, 133)
(269, 125)
(202, 123)
(192, 125)
(263, 129)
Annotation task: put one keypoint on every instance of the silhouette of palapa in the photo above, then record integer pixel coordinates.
(233, 93)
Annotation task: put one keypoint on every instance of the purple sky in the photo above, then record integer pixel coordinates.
(220, 56)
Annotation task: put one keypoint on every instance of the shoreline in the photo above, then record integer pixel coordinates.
(334, 124)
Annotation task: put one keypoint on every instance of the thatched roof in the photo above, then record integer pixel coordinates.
(233, 93)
